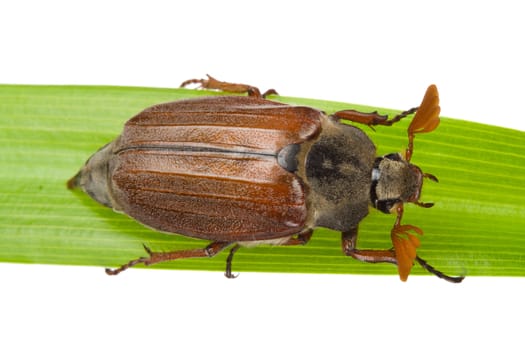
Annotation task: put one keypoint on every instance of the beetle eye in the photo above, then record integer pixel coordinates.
(386, 205)
(394, 156)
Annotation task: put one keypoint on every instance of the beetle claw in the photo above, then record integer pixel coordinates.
(230, 275)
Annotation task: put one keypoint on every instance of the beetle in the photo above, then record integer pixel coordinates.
(242, 170)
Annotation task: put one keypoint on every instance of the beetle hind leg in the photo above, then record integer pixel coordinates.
(157, 257)
(214, 84)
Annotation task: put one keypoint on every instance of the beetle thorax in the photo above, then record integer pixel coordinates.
(338, 167)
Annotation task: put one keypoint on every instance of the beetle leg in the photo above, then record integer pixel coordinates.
(301, 238)
(214, 84)
(157, 257)
(228, 273)
(405, 246)
(371, 118)
(432, 270)
(349, 242)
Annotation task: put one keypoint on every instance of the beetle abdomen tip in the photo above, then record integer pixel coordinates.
(73, 182)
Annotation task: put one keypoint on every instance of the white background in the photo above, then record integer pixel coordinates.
(381, 53)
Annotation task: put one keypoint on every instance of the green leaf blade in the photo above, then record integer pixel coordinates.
(48, 132)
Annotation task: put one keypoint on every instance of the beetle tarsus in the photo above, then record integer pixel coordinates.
(432, 270)
(403, 115)
(114, 272)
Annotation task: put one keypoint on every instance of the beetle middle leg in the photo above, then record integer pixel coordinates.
(157, 257)
(300, 239)
(214, 84)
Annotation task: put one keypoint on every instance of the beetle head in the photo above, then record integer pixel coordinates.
(396, 181)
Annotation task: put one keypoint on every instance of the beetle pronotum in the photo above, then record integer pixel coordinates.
(244, 170)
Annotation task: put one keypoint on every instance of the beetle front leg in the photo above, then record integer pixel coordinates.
(371, 118)
(214, 84)
(157, 257)
(349, 242)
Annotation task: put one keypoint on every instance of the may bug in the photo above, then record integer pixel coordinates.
(244, 170)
